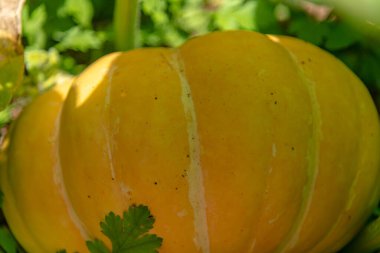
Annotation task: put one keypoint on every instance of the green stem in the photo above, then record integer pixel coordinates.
(126, 24)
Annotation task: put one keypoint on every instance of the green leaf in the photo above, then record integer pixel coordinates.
(341, 36)
(310, 30)
(235, 15)
(79, 39)
(376, 212)
(5, 118)
(265, 17)
(157, 11)
(5, 95)
(128, 234)
(33, 26)
(7, 242)
(97, 246)
(82, 11)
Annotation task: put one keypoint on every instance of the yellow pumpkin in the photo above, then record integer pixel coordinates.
(237, 142)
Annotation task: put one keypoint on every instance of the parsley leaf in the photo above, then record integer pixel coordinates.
(97, 246)
(128, 234)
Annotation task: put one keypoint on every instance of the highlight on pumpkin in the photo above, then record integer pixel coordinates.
(237, 126)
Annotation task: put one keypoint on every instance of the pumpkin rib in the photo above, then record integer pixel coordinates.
(313, 159)
(42, 170)
(59, 181)
(106, 127)
(303, 50)
(23, 224)
(194, 174)
(18, 226)
(84, 90)
(235, 90)
(347, 210)
(288, 44)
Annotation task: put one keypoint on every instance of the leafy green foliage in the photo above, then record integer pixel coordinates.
(128, 234)
(7, 242)
(5, 118)
(81, 31)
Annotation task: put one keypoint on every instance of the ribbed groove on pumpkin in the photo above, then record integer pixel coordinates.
(313, 163)
(58, 180)
(351, 192)
(194, 175)
(11, 207)
(106, 126)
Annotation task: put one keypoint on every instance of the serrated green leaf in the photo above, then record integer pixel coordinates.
(79, 39)
(112, 227)
(7, 242)
(144, 244)
(97, 246)
(137, 220)
(128, 234)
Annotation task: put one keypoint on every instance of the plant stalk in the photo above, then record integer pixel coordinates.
(126, 24)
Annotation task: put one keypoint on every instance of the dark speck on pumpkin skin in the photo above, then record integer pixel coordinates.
(155, 98)
(293, 148)
(155, 183)
(275, 102)
(303, 62)
(88, 196)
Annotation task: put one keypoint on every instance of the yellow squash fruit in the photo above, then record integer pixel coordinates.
(238, 142)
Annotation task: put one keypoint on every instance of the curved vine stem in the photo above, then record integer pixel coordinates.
(126, 24)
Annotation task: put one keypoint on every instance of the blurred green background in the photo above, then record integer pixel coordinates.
(64, 36)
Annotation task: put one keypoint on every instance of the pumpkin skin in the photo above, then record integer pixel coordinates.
(237, 142)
